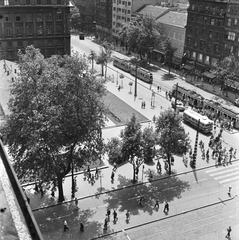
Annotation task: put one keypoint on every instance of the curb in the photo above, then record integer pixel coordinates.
(124, 187)
(161, 219)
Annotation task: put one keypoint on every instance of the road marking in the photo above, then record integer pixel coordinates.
(99, 207)
(169, 188)
(229, 180)
(126, 234)
(227, 175)
(204, 179)
(217, 169)
(226, 171)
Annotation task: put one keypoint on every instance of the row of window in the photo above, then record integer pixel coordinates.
(232, 22)
(208, 9)
(39, 42)
(32, 2)
(29, 31)
(121, 10)
(123, 2)
(39, 17)
(121, 18)
(206, 20)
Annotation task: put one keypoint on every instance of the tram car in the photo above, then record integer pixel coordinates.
(126, 66)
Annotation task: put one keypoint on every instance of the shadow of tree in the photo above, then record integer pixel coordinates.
(168, 76)
(162, 187)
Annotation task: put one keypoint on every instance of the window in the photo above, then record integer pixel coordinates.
(8, 19)
(17, 2)
(129, 3)
(29, 17)
(193, 55)
(196, 31)
(49, 29)
(199, 57)
(39, 29)
(29, 30)
(231, 36)
(6, 2)
(205, 20)
(18, 18)
(8, 31)
(229, 22)
(9, 43)
(114, 8)
(217, 36)
(49, 17)
(212, 21)
(216, 48)
(209, 47)
(128, 19)
(58, 29)
(50, 42)
(201, 45)
(39, 17)
(189, 41)
(193, 7)
(128, 11)
(19, 30)
(119, 1)
(48, 1)
(195, 43)
(58, 1)
(40, 42)
(38, 1)
(210, 34)
(59, 16)
(28, 2)
(207, 60)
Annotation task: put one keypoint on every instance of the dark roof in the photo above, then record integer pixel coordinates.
(155, 11)
(174, 18)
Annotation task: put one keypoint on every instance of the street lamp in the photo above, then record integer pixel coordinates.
(72, 180)
(135, 84)
(153, 99)
(100, 176)
(121, 77)
(193, 162)
(143, 173)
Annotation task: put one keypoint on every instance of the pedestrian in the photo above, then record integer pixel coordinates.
(127, 215)
(166, 207)
(156, 205)
(89, 176)
(115, 167)
(166, 94)
(144, 104)
(112, 176)
(106, 223)
(119, 88)
(235, 153)
(158, 88)
(228, 232)
(82, 227)
(36, 188)
(76, 201)
(108, 214)
(229, 191)
(41, 190)
(66, 227)
(115, 216)
(96, 172)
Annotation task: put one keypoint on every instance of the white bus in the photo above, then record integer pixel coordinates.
(191, 117)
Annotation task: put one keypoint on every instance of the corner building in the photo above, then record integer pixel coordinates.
(205, 33)
(42, 23)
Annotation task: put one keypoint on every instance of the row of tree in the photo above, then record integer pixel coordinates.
(139, 146)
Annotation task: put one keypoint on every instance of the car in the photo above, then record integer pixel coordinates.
(236, 102)
(180, 105)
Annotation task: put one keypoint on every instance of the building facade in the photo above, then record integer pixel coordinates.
(204, 33)
(173, 26)
(87, 10)
(104, 19)
(122, 12)
(44, 24)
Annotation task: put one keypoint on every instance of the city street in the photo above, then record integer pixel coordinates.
(199, 204)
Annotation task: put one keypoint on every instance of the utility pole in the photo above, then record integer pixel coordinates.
(73, 181)
(135, 84)
(193, 162)
(176, 96)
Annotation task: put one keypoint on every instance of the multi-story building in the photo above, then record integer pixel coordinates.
(87, 10)
(173, 26)
(122, 10)
(104, 18)
(44, 24)
(204, 34)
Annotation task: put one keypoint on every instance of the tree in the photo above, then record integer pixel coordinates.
(171, 134)
(75, 18)
(169, 51)
(148, 147)
(226, 69)
(114, 150)
(132, 144)
(104, 56)
(56, 117)
(92, 56)
(140, 34)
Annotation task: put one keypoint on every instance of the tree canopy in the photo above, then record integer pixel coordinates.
(171, 134)
(75, 18)
(140, 34)
(169, 51)
(56, 117)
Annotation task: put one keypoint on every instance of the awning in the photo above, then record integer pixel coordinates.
(231, 83)
(208, 75)
(188, 67)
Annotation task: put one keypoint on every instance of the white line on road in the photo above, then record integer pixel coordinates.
(126, 234)
(99, 207)
(226, 171)
(229, 180)
(218, 169)
(227, 175)
(201, 180)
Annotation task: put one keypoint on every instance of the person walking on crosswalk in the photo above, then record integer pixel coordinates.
(228, 232)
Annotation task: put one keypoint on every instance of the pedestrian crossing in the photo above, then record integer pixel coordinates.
(226, 175)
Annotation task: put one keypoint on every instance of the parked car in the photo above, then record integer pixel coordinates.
(180, 105)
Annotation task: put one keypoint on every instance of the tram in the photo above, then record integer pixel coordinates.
(191, 117)
(127, 66)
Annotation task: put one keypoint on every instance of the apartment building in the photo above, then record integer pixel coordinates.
(42, 23)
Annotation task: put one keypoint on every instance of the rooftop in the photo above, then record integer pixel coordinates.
(154, 11)
(174, 18)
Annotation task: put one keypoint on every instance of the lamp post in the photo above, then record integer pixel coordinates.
(176, 96)
(72, 180)
(121, 77)
(143, 173)
(193, 162)
(100, 176)
(135, 84)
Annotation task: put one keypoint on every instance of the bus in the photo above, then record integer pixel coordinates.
(191, 117)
